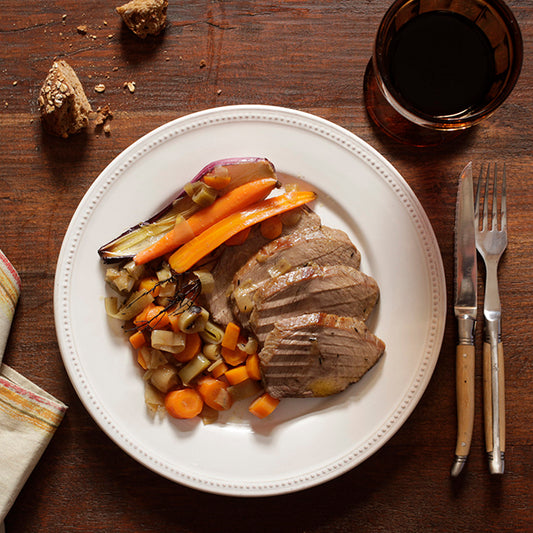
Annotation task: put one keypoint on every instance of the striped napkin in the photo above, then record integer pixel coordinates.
(29, 416)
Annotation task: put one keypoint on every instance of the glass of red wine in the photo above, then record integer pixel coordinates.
(441, 66)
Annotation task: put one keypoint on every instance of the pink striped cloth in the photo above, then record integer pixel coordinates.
(29, 415)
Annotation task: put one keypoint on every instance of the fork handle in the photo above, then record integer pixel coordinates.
(494, 401)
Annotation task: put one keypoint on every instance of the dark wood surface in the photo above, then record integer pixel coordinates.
(306, 55)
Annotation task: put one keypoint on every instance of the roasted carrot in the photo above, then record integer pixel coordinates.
(263, 406)
(215, 393)
(193, 345)
(239, 238)
(253, 368)
(231, 336)
(237, 375)
(191, 252)
(233, 357)
(137, 339)
(271, 228)
(232, 202)
(184, 403)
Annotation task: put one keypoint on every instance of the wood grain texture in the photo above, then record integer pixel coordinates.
(306, 55)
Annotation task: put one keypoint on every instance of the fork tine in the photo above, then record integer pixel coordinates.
(486, 200)
(477, 198)
(504, 200)
(495, 199)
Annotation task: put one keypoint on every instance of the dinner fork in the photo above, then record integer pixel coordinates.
(491, 242)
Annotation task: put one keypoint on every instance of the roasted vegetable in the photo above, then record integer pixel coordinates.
(128, 244)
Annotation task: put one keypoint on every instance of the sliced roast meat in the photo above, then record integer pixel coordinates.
(317, 354)
(233, 258)
(334, 289)
(322, 246)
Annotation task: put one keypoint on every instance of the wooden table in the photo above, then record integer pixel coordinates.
(309, 56)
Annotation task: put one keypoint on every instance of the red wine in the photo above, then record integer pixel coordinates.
(441, 64)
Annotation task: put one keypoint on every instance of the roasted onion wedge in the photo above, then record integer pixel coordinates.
(139, 237)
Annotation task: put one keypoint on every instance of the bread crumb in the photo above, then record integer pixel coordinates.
(100, 88)
(219, 92)
(15, 82)
(131, 86)
(103, 114)
(82, 30)
(107, 129)
(144, 17)
(203, 63)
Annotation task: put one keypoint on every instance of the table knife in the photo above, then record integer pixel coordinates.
(465, 309)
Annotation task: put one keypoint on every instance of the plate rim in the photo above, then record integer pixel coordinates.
(291, 118)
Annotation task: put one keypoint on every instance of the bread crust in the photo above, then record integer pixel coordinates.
(144, 17)
(63, 105)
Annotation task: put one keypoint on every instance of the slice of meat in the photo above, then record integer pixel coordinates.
(317, 354)
(322, 246)
(334, 289)
(233, 258)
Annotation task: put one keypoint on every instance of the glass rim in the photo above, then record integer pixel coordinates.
(462, 120)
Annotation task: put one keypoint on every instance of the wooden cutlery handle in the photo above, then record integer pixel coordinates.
(465, 365)
(494, 409)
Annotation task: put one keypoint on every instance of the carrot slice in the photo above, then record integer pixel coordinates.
(215, 393)
(231, 336)
(271, 228)
(137, 339)
(263, 406)
(253, 368)
(219, 370)
(237, 375)
(191, 252)
(193, 345)
(150, 284)
(141, 361)
(232, 202)
(233, 357)
(184, 403)
(239, 238)
(217, 181)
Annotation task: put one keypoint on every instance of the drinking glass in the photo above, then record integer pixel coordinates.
(441, 66)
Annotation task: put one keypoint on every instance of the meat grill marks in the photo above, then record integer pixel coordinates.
(322, 246)
(335, 289)
(317, 354)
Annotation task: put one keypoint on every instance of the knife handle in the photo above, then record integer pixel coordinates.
(465, 366)
(494, 405)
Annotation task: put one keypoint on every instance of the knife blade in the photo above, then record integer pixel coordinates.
(465, 309)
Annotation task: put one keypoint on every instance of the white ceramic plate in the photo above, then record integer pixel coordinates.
(306, 441)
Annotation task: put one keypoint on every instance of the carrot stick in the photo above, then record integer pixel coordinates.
(231, 336)
(232, 202)
(215, 393)
(184, 403)
(263, 406)
(191, 252)
(193, 345)
(219, 370)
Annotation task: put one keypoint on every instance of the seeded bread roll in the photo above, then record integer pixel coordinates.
(144, 17)
(63, 105)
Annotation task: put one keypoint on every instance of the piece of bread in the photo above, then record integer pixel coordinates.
(144, 17)
(63, 104)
